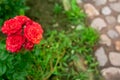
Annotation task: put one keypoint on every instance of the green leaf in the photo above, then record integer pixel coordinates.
(2, 68)
(19, 76)
(3, 56)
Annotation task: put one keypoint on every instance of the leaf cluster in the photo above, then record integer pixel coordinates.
(76, 15)
(13, 66)
(11, 8)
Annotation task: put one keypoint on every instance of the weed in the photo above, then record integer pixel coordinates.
(57, 8)
(75, 14)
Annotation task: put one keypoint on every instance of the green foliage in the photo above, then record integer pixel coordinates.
(57, 8)
(75, 14)
(58, 50)
(11, 8)
(13, 66)
(88, 36)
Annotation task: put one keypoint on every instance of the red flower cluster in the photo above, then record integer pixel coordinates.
(21, 32)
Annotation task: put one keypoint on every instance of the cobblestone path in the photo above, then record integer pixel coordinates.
(104, 16)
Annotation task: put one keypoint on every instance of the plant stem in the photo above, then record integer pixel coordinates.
(52, 70)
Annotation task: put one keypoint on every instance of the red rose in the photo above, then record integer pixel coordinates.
(11, 26)
(33, 32)
(22, 19)
(28, 45)
(14, 43)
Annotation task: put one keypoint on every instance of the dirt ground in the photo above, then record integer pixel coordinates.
(42, 12)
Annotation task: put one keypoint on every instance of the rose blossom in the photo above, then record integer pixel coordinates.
(14, 43)
(28, 45)
(33, 32)
(22, 19)
(11, 26)
(21, 32)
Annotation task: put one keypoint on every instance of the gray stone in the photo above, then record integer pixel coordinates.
(106, 10)
(90, 10)
(98, 24)
(114, 58)
(118, 28)
(112, 0)
(111, 73)
(115, 6)
(100, 2)
(104, 39)
(111, 20)
(118, 19)
(101, 56)
(112, 34)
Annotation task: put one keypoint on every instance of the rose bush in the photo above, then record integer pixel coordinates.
(21, 32)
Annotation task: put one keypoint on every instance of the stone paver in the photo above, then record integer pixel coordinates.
(101, 56)
(104, 39)
(98, 24)
(117, 45)
(100, 2)
(118, 18)
(104, 16)
(114, 58)
(111, 73)
(112, 34)
(106, 10)
(117, 27)
(115, 6)
(111, 0)
(110, 20)
(91, 10)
